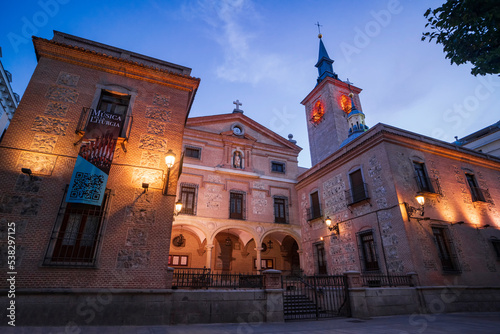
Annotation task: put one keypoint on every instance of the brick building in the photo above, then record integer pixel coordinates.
(247, 205)
(125, 240)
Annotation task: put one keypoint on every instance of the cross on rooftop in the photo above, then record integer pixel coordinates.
(238, 104)
(319, 25)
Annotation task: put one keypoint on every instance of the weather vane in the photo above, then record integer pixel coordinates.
(319, 29)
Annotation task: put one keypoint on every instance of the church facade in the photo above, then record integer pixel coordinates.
(377, 202)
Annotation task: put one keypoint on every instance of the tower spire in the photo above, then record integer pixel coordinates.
(324, 64)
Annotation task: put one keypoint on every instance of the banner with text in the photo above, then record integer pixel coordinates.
(90, 175)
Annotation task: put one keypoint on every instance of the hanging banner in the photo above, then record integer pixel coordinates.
(90, 175)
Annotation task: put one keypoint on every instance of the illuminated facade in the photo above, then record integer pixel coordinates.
(367, 186)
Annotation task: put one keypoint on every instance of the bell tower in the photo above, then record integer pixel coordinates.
(327, 107)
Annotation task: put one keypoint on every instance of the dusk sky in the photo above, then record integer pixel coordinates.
(263, 54)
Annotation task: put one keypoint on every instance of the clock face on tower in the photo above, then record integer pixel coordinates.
(317, 113)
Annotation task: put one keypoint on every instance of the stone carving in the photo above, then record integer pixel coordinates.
(156, 128)
(56, 109)
(151, 176)
(259, 206)
(334, 195)
(58, 93)
(148, 142)
(50, 125)
(259, 185)
(161, 100)
(143, 199)
(40, 164)
(158, 114)
(140, 215)
(43, 143)
(213, 197)
(30, 206)
(68, 79)
(136, 237)
(133, 259)
(150, 159)
(214, 178)
(27, 184)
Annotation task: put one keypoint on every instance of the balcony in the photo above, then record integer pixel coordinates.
(357, 194)
(314, 213)
(427, 185)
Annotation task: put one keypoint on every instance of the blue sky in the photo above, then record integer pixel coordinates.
(263, 53)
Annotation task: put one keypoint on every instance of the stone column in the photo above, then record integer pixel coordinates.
(274, 295)
(209, 248)
(301, 259)
(258, 250)
(353, 279)
(413, 278)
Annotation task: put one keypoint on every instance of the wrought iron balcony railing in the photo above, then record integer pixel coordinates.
(357, 194)
(314, 212)
(427, 185)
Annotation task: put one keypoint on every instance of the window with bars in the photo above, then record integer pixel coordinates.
(76, 235)
(237, 205)
(188, 198)
(115, 103)
(278, 167)
(368, 251)
(445, 249)
(475, 191)
(280, 209)
(358, 190)
(314, 211)
(193, 152)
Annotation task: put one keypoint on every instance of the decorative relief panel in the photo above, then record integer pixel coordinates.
(148, 142)
(38, 163)
(259, 185)
(140, 215)
(213, 197)
(56, 109)
(151, 176)
(259, 202)
(156, 128)
(161, 100)
(214, 178)
(150, 159)
(43, 143)
(158, 114)
(334, 195)
(68, 79)
(133, 259)
(20, 205)
(50, 125)
(27, 184)
(136, 237)
(58, 93)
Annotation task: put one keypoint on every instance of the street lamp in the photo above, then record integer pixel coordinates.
(169, 161)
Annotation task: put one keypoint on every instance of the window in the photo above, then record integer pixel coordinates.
(237, 205)
(423, 182)
(358, 190)
(264, 263)
(188, 198)
(320, 259)
(76, 235)
(367, 251)
(445, 249)
(496, 246)
(178, 260)
(116, 104)
(280, 210)
(193, 152)
(475, 191)
(278, 167)
(315, 210)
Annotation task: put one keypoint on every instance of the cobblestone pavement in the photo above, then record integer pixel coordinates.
(456, 323)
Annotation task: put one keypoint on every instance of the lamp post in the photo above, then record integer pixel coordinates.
(169, 161)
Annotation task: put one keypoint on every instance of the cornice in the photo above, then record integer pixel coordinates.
(106, 63)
